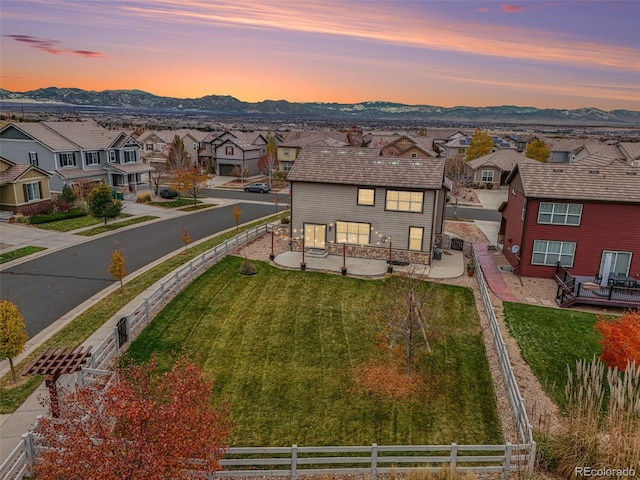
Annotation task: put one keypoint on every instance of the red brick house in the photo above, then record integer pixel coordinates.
(573, 214)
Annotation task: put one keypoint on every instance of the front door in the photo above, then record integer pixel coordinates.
(619, 263)
(314, 235)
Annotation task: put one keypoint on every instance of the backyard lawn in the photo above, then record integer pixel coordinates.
(551, 339)
(299, 358)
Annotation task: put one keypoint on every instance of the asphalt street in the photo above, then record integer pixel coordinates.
(48, 287)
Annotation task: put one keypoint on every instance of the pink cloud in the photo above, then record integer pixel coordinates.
(511, 8)
(51, 46)
(482, 10)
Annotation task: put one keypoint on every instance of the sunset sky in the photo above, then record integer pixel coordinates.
(560, 54)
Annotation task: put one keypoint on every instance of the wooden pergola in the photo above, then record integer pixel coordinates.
(55, 362)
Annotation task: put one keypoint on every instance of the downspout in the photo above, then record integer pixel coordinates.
(433, 224)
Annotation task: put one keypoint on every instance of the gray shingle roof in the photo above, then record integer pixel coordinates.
(617, 182)
(505, 160)
(365, 166)
(46, 136)
(87, 135)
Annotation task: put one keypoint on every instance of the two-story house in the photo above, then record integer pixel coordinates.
(372, 204)
(239, 150)
(494, 168)
(293, 143)
(576, 215)
(77, 152)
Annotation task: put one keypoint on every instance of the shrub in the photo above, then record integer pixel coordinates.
(285, 220)
(67, 194)
(53, 217)
(143, 197)
(40, 208)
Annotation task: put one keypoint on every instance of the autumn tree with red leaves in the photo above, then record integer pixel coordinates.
(145, 425)
(620, 339)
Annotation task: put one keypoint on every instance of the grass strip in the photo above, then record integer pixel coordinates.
(115, 226)
(550, 340)
(180, 202)
(286, 348)
(83, 326)
(18, 253)
(75, 223)
(193, 208)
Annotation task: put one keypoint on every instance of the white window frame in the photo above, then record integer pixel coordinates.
(355, 233)
(415, 240)
(113, 157)
(286, 152)
(487, 176)
(32, 190)
(66, 159)
(128, 154)
(287, 166)
(404, 201)
(33, 158)
(363, 196)
(148, 147)
(524, 209)
(91, 158)
(228, 150)
(552, 213)
(550, 252)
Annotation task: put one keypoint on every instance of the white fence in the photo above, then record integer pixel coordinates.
(373, 460)
(525, 431)
(285, 461)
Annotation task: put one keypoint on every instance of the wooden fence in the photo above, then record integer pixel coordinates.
(293, 461)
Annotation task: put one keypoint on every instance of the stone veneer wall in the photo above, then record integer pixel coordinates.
(376, 253)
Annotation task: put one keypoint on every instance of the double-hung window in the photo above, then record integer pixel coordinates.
(415, 238)
(228, 150)
(91, 158)
(560, 213)
(366, 196)
(548, 252)
(66, 159)
(33, 158)
(353, 232)
(113, 156)
(404, 201)
(487, 176)
(130, 156)
(32, 191)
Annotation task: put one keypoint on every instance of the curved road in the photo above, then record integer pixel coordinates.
(48, 287)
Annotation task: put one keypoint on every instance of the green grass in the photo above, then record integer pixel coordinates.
(551, 339)
(179, 202)
(81, 328)
(75, 223)
(115, 226)
(193, 208)
(20, 252)
(283, 347)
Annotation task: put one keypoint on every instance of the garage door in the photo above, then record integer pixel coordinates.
(225, 170)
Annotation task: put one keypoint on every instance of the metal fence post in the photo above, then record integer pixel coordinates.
(294, 461)
(29, 451)
(374, 461)
(146, 309)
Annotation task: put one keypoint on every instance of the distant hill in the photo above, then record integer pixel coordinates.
(365, 110)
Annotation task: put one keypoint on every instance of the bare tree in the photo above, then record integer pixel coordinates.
(178, 158)
(405, 308)
(454, 169)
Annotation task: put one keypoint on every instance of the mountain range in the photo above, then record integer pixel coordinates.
(225, 104)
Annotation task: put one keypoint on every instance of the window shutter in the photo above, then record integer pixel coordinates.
(40, 190)
(24, 190)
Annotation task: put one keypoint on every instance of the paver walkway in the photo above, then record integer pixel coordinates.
(492, 275)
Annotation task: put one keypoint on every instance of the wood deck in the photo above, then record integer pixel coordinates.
(574, 290)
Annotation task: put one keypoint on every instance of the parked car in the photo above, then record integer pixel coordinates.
(257, 187)
(169, 193)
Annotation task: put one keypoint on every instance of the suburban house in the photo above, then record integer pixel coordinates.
(410, 147)
(631, 152)
(494, 168)
(459, 145)
(600, 149)
(582, 217)
(353, 200)
(155, 145)
(238, 149)
(74, 152)
(294, 142)
(521, 142)
(22, 185)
